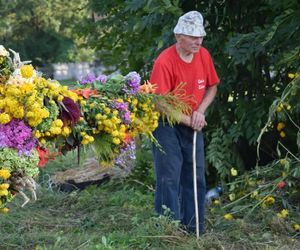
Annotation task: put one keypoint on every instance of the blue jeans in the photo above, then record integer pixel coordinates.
(174, 174)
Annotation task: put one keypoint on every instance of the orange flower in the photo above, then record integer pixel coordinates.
(148, 88)
(128, 138)
(86, 93)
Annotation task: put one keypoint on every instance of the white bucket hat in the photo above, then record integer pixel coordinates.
(190, 24)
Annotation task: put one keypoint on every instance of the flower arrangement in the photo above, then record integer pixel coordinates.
(31, 116)
(115, 109)
(39, 115)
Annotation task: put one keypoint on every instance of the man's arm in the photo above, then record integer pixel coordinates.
(198, 117)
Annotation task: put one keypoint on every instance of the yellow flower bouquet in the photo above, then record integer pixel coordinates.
(39, 115)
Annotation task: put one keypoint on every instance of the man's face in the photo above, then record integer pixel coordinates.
(190, 44)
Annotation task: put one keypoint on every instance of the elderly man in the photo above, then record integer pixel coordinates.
(189, 62)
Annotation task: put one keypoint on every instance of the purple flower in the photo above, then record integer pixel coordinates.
(102, 78)
(133, 80)
(126, 152)
(89, 78)
(127, 117)
(16, 134)
(122, 107)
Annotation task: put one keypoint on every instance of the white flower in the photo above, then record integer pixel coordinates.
(16, 80)
(3, 51)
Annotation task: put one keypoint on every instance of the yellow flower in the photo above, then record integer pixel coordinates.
(282, 134)
(282, 162)
(268, 200)
(228, 216)
(58, 123)
(27, 71)
(43, 141)
(66, 131)
(4, 118)
(4, 186)
(297, 227)
(82, 102)
(88, 138)
(60, 98)
(116, 141)
(232, 197)
(3, 192)
(233, 172)
(216, 202)
(55, 130)
(254, 194)
(4, 210)
(107, 123)
(280, 126)
(106, 110)
(4, 174)
(283, 214)
(279, 107)
(115, 133)
(134, 102)
(37, 134)
(19, 112)
(291, 75)
(84, 142)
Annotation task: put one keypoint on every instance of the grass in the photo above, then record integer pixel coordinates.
(118, 215)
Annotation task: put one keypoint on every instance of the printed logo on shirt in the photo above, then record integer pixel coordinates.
(201, 84)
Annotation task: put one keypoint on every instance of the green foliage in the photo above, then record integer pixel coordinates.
(254, 46)
(43, 31)
(129, 34)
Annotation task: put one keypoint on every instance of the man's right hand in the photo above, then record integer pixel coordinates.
(198, 123)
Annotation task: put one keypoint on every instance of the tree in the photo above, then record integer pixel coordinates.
(42, 30)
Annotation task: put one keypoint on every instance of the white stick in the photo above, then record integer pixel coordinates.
(195, 184)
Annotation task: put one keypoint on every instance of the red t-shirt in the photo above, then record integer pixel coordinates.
(170, 70)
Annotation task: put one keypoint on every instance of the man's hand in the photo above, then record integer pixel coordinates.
(198, 120)
(186, 120)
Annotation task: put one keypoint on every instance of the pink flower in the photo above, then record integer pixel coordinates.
(281, 184)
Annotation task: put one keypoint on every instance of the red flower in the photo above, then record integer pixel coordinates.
(43, 156)
(281, 184)
(69, 111)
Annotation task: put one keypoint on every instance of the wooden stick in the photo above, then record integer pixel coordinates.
(195, 184)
